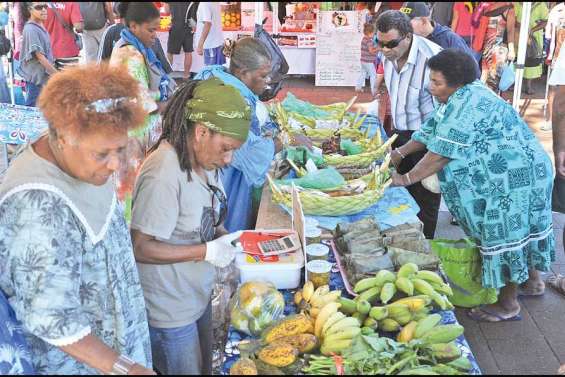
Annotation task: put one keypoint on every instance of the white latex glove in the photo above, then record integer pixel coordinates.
(220, 252)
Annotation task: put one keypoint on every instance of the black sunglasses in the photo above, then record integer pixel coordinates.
(391, 44)
(219, 194)
(40, 7)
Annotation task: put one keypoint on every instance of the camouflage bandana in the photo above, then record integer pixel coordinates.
(221, 108)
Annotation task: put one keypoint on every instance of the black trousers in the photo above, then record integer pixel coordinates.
(428, 201)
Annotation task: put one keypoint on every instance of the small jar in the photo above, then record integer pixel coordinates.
(319, 272)
(313, 235)
(317, 251)
(310, 222)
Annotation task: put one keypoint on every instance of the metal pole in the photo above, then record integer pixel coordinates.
(522, 45)
(259, 7)
(10, 32)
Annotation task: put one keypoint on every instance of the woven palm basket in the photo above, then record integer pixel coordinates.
(318, 203)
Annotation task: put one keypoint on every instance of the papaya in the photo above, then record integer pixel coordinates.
(278, 354)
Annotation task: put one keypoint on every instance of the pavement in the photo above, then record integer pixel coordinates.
(535, 345)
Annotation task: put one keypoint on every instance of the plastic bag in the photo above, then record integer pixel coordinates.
(350, 147)
(279, 65)
(322, 179)
(300, 155)
(255, 306)
(507, 77)
(307, 109)
(431, 183)
(461, 262)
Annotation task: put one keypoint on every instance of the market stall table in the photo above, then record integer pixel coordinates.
(18, 125)
(272, 216)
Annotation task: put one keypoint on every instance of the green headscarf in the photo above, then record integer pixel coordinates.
(221, 108)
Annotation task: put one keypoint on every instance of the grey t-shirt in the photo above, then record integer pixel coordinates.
(173, 210)
(35, 38)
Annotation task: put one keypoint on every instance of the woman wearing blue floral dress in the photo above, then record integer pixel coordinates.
(495, 178)
(66, 261)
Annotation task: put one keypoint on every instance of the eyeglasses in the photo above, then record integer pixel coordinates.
(40, 7)
(221, 197)
(391, 44)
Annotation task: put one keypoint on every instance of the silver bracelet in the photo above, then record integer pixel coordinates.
(122, 366)
(400, 153)
(409, 180)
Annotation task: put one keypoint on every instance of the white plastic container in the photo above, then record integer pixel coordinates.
(284, 274)
(310, 222)
(317, 251)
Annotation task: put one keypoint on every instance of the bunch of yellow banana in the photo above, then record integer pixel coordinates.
(311, 301)
(408, 281)
(335, 329)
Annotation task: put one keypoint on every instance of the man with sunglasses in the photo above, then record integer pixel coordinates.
(406, 79)
(177, 221)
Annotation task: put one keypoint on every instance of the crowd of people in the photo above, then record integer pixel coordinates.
(487, 31)
(115, 223)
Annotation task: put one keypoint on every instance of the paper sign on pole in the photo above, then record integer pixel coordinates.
(338, 48)
(338, 59)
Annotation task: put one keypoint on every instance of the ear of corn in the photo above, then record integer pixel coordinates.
(426, 324)
(442, 334)
(445, 352)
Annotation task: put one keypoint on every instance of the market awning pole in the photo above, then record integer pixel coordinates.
(259, 6)
(11, 75)
(522, 46)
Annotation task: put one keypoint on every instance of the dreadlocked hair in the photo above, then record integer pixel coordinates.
(176, 127)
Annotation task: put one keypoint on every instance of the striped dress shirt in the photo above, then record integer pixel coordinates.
(410, 100)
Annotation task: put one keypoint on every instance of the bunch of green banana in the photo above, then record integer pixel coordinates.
(408, 281)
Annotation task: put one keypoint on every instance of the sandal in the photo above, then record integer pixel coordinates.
(557, 282)
(475, 316)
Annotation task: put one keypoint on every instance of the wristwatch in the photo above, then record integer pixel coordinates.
(122, 366)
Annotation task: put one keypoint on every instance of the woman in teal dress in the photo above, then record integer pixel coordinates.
(495, 178)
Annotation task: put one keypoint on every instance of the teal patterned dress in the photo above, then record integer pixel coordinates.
(497, 184)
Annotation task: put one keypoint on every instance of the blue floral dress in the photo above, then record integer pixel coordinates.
(497, 184)
(63, 287)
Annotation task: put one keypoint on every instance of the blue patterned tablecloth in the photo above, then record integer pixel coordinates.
(395, 207)
(20, 124)
(336, 282)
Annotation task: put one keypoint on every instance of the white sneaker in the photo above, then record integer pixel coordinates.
(546, 126)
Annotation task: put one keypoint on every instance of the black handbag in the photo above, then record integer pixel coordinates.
(534, 54)
(279, 65)
(5, 44)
